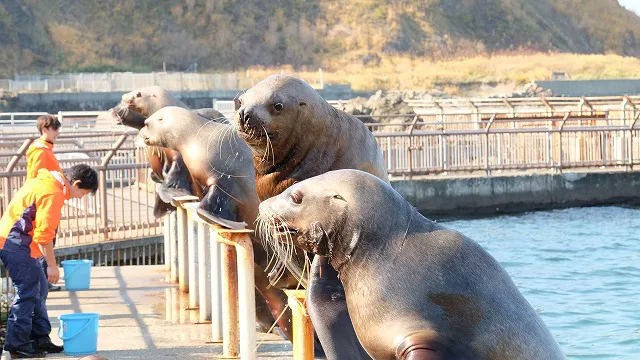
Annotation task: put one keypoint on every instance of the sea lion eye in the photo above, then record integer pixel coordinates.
(296, 198)
(336, 196)
(278, 106)
(139, 94)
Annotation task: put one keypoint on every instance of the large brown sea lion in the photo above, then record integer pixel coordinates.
(294, 134)
(415, 289)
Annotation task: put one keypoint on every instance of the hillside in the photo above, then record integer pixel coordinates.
(99, 35)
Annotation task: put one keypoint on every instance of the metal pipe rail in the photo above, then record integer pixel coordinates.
(564, 145)
(121, 208)
(215, 266)
(553, 144)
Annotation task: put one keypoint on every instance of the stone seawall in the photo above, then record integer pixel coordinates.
(453, 197)
(90, 101)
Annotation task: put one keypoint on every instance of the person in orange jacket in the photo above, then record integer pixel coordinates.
(40, 156)
(40, 153)
(27, 229)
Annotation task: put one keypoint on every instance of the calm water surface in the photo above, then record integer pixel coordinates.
(579, 268)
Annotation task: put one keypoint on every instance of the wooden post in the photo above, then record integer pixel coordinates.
(302, 327)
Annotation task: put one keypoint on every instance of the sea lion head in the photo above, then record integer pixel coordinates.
(165, 126)
(328, 214)
(276, 108)
(149, 99)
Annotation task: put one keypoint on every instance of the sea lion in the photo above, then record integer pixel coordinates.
(169, 169)
(222, 164)
(149, 99)
(216, 159)
(294, 134)
(414, 288)
(166, 165)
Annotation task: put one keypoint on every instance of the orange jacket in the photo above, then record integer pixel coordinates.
(34, 213)
(40, 156)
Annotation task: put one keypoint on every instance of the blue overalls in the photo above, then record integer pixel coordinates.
(28, 319)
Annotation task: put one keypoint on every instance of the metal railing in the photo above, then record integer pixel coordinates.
(123, 205)
(471, 108)
(551, 144)
(215, 266)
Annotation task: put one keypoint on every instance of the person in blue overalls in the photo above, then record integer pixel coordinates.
(27, 229)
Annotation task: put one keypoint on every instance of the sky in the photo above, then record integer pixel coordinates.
(633, 5)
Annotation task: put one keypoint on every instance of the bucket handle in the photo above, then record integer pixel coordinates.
(68, 275)
(65, 338)
(71, 272)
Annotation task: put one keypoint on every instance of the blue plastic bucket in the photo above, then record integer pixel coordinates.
(79, 332)
(77, 274)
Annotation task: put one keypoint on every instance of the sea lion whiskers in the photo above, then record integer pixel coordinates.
(265, 224)
(268, 225)
(269, 146)
(290, 249)
(212, 166)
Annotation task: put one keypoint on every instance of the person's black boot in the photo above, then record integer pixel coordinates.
(54, 287)
(45, 344)
(25, 354)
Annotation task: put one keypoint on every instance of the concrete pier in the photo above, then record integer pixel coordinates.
(144, 316)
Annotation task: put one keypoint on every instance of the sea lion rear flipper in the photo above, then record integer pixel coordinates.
(219, 207)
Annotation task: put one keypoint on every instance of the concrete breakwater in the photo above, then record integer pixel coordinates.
(91, 101)
(491, 195)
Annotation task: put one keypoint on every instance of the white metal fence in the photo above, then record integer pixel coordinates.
(123, 206)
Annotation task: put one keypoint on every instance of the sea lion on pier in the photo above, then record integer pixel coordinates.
(415, 289)
(294, 134)
(222, 165)
(167, 167)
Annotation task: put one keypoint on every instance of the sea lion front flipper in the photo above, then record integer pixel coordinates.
(421, 345)
(216, 220)
(177, 181)
(167, 193)
(161, 208)
(127, 117)
(327, 306)
(156, 178)
(210, 114)
(219, 207)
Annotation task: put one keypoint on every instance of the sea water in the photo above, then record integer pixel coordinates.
(579, 268)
